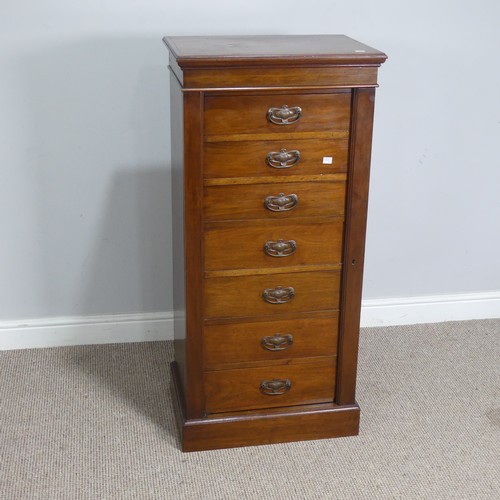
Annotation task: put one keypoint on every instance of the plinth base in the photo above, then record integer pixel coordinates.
(256, 427)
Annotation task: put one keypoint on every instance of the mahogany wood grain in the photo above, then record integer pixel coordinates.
(306, 423)
(234, 202)
(248, 201)
(291, 315)
(232, 181)
(242, 296)
(238, 389)
(356, 214)
(328, 76)
(221, 90)
(240, 244)
(192, 192)
(260, 271)
(178, 278)
(271, 50)
(233, 343)
(279, 136)
(248, 158)
(247, 115)
(258, 427)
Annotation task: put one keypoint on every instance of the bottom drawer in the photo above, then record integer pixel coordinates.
(306, 382)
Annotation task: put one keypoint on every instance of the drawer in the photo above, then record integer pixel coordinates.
(271, 244)
(275, 201)
(242, 115)
(309, 382)
(269, 341)
(253, 158)
(243, 296)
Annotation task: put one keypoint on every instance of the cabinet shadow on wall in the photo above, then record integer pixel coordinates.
(130, 256)
(133, 229)
(97, 129)
(96, 158)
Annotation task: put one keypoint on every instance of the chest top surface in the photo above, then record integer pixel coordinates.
(199, 51)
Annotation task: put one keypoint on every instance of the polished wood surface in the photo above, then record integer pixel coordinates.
(252, 78)
(282, 50)
(247, 115)
(235, 202)
(191, 191)
(273, 62)
(279, 136)
(242, 296)
(241, 244)
(179, 284)
(238, 389)
(248, 158)
(357, 206)
(305, 423)
(267, 426)
(231, 181)
(260, 271)
(269, 220)
(237, 343)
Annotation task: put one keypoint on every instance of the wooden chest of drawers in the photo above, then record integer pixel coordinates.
(271, 140)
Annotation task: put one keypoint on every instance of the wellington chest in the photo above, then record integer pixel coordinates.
(271, 141)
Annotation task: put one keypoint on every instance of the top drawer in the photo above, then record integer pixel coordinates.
(326, 114)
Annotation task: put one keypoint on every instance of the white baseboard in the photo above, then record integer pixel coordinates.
(430, 309)
(82, 330)
(142, 327)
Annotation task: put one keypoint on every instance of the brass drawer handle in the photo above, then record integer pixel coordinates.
(275, 387)
(283, 158)
(284, 115)
(277, 342)
(281, 203)
(278, 295)
(280, 248)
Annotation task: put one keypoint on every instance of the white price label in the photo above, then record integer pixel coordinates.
(327, 160)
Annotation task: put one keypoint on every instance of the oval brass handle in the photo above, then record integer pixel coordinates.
(275, 387)
(281, 203)
(278, 295)
(277, 342)
(284, 115)
(280, 248)
(283, 158)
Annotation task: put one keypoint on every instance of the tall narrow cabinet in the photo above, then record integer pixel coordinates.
(271, 141)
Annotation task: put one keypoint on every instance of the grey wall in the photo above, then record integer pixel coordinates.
(84, 151)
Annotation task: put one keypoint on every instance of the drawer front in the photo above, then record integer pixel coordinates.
(276, 114)
(274, 201)
(269, 341)
(270, 386)
(272, 294)
(260, 158)
(263, 244)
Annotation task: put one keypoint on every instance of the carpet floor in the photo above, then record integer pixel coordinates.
(95, 422)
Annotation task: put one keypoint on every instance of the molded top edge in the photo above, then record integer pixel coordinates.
(203, 51)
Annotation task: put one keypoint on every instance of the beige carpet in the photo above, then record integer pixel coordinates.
(95, 422)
